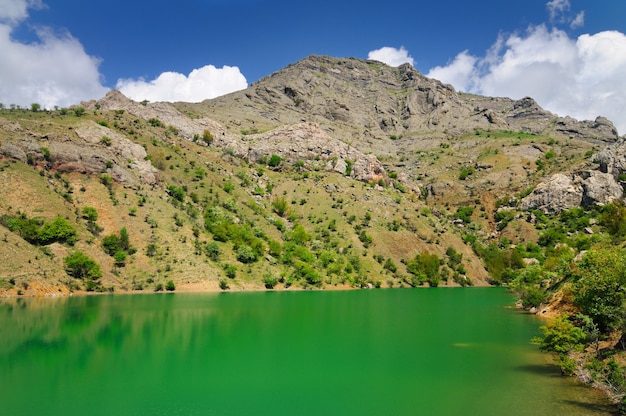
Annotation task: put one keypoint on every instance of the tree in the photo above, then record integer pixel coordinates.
(34, 107)
(561, 336)
(425, 264)
(81, 266)
(57, 230)
(600, 281)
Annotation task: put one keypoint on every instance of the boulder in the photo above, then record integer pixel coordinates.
(599, 188)
(556, 194)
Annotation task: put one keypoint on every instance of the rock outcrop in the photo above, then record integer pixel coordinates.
(612, 159)
(90, 148)
(305, 141)
(561, 192)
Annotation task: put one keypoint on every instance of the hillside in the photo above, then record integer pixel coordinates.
(331, 173)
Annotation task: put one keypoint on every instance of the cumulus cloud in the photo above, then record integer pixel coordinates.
(201, 84)
(391, 56)
(13, 11)
(53, 71)
(461, 72)
(582, 77)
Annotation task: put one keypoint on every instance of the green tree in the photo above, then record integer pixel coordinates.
(81, 266)
(560, 335)
(425, 264)
(57, 230)
(600, 282)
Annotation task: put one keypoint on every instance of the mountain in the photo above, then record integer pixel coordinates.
(330, 173)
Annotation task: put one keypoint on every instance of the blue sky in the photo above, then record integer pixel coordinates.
(570, 55)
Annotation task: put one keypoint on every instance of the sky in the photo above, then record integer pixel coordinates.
(569, 55)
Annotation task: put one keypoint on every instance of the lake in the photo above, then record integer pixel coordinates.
(444, 351)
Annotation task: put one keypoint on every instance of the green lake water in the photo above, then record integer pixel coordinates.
(373, 352)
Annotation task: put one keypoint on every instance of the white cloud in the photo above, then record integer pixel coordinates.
(461, 72)
(557, 9)
(578, 21)
(12, 11)
(581, 77)
(53, 71)
(201, 84)
(391, 56)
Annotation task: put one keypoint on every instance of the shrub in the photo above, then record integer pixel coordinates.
(207, 137)
(560, 336)
(464, 213)
(212, 250)
(465, 172)
(280, 206)
(176, 192)
(170, 286)
(246, 254)
(57, 230)
(269, 281)
(81, 266)
(230, 270)
(425, 265)
(90, 214)
(274, 161)
(120, 258)
(155, 122)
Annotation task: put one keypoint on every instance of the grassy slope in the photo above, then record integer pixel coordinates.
(42, 193)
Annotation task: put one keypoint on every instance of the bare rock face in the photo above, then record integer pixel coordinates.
(90, 148)
(308, 143)
(599, 188)
(556, 194)
(612, 159)
(561, 192)
(305, 142)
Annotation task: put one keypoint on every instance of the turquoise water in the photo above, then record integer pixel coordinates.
(374, 352)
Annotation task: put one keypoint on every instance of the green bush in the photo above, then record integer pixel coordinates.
(57, 230)
(246, 254)
(561, 336)
(425, 266)
(280, 206)
(466, 171)
(230, 270)
(274, 161)
(170, 286)
(464, 213)
(81, 266)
